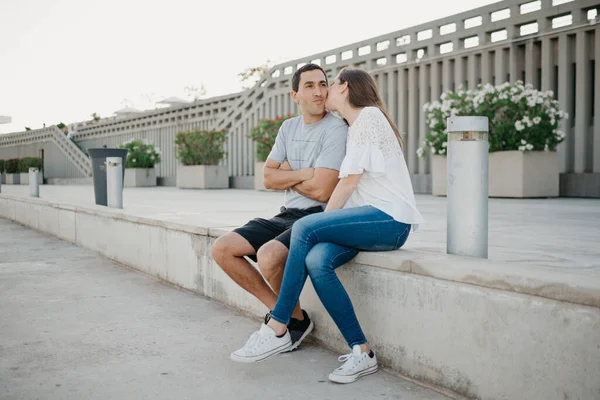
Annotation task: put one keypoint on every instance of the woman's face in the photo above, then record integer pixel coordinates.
(335, 97)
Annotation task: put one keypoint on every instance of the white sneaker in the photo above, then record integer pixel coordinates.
(356, 365)
(261, 345)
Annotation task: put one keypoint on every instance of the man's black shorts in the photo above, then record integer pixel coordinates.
(259, 231)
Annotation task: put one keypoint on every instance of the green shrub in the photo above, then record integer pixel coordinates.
(12, 166)
(141, 154)
(1, 166)
(201, 147)
(29, 162)
(264, 135)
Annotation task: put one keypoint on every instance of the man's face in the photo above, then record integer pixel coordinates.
(312, 92)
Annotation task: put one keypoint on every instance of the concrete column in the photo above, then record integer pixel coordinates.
(279, 104)
(423, 129)
(446, 74)
(472, 71)
(547, 64)
(459, 72)
(565, 98)
(583, 98)
(392, 89)
(500, 66)
(436, 89)
(380, 84)
(513, 64)
(530, 64)
(596, 167)
(413, 120)
(286, 104)
(486, 67)
(402, 107)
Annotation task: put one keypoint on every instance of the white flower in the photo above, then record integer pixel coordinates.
(148, 151)
(443, 151)
(523, 142)
(152, 158)
(519, 126)
(529, 146)
(134, 160)
(546, 148)
(420, 152)
(552, 121)
(537, 120)
(560, 134)
(521, 148)
(426, 107)
(445, 144)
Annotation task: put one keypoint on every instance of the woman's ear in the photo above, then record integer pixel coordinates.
(343, 87)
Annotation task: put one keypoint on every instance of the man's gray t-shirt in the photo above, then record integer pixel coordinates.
(318, 145)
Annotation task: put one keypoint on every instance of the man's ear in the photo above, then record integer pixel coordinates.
(293, 93)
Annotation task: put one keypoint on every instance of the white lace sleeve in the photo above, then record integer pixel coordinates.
(370, 141)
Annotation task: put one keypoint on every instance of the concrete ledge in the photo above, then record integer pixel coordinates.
(479, 328)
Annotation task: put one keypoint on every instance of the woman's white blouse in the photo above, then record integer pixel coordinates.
(373, 150)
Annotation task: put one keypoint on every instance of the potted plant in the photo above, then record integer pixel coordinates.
(264, 135)
(2, 173)
(139, 165)
(12, 171)
(200, 153)
(523, 137)
(29, 162)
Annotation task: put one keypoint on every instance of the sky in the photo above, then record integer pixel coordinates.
(62, 60)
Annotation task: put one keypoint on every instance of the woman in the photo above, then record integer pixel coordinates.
(371, 209)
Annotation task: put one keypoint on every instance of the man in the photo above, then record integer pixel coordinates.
(305, 162)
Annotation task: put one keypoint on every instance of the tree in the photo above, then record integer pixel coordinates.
(95, 116)
(250, 76)
(195, 92)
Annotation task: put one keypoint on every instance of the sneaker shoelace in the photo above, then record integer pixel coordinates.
(349, 359)
(256, 340)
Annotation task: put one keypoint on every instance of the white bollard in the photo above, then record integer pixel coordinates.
(114, 182)
(34, 185)
(468, 155)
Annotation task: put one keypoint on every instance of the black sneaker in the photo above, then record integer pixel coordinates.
(299, 330)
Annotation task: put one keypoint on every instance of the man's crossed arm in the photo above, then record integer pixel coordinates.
(314, 183)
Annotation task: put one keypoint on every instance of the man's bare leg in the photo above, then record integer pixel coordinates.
(271, 261)
(228, 252)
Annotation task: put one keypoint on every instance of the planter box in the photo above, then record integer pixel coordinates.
(24, 178)
(202, 177)
(140, 177)
(511, 174)
(13, 179)
(259, 176)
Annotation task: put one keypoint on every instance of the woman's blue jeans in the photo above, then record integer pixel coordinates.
(324, 241)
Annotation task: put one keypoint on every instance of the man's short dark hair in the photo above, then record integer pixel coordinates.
(305, 68)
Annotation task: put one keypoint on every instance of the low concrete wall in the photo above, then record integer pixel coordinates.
(478, 328)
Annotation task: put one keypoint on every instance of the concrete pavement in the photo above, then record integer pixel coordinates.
(78, 326)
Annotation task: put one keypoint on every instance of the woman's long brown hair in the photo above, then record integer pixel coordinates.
(363, 93)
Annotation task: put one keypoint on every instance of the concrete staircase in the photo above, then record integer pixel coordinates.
(81, 161)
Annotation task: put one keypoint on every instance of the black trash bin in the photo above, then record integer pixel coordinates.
(98, 157)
